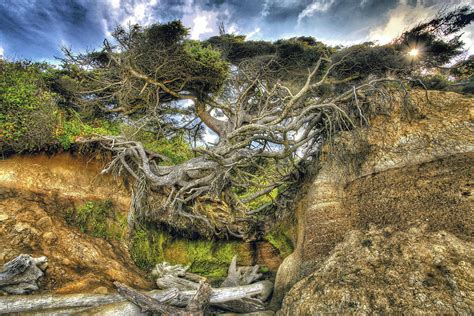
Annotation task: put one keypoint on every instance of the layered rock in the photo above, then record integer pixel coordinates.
(406, 169)
(390, 271)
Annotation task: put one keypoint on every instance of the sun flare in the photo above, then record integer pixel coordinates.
(413, 52)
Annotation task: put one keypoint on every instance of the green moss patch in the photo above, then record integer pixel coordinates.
(205, 257)
(98, 219)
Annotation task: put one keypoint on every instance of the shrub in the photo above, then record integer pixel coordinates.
(28, 112)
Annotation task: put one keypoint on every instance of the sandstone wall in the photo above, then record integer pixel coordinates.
(401, 171)
(35, 194)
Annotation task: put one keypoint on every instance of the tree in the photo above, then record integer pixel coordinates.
(267, 126)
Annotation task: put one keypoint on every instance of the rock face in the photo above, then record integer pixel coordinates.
(389, 271)
(404, 171)
(35, 193)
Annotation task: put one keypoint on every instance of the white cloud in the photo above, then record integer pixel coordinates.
(114, 4)
(400, 19)
(405, 16)
(200, 26)
(140, 12)
(202, 22)
(2, 51)
(256, 31)
(316, 6)
(233, 29)
(468, 38)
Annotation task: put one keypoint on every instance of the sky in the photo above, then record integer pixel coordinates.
(37, 29)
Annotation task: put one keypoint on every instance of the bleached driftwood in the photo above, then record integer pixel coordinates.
(146, 302)
(37, 303)
(240, 275)
(21, 275)
(195, 307)
(176, 276)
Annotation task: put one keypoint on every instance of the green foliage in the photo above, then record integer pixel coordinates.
(235, 48)
(301, 52)
(98, 219)
(209, 259)
(204, 62)
(463, 69)
(438, 39)
(176, 148)
(74, 127)
(171, 32)
(290, 57)
(150, 246)
(359, 61)
(435, 82)
(27, 109)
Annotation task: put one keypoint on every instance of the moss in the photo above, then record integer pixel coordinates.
(205, 257)
(209, 258)
(146, 248)
(279, 239)
(98, 219)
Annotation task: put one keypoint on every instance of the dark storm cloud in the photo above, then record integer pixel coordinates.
(37, 28)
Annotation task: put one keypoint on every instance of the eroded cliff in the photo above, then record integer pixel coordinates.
(405, 171)
(49, 205)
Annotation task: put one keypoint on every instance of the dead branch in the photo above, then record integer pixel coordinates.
(145, 302)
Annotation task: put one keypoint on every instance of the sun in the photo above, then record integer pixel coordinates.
(413, 52)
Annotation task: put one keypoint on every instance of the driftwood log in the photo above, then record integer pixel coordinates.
(21, 275)
(240, 275)
(57, 303)
(184, 293)
(146, 302)
(196, 306)
(176, 276)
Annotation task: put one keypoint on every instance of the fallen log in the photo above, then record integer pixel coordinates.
(147, 303)
(38, 303)
(174, 282)
(176, 276)
(196, 306)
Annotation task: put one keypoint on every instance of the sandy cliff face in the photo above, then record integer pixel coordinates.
(35, 193)
(401, 172)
